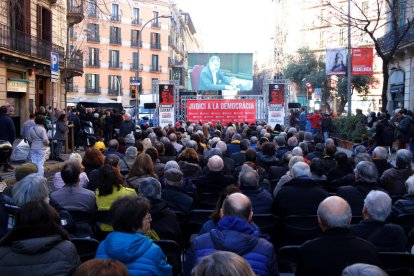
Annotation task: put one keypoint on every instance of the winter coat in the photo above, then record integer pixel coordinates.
(7, 128)
(140, 255)
(315, 120)
(190, 170)
(61, 128)
(126, 128)
(393, 181)
(49, 255)
(404, 129)
(38, 138)
(238, 236)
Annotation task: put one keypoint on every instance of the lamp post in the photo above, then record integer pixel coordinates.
(137, 71)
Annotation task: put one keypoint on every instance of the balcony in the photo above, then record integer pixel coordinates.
(156, 69)
(93, 38)
(114, 92)
(74, 67)
(115, 65)
(115, 40)
(387, 41)
(156, 25)
(75, 12)
(93, 90)
(134, 67)
(135, 44)
(18, 42)
(93, 14)
(155, 46)
(70, 88)
(116, 18)
(136, 21)
(93, 63)
(175, 63)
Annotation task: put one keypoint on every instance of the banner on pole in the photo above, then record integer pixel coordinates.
(166, 116)
(336, 61)
(362, 60)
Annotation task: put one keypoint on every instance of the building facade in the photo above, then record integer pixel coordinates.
(29, 31)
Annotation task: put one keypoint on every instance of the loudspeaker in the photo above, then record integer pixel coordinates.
(294, 105)
(150, 105)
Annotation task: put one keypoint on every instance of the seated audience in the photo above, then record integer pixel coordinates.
(379, 157)
(92, 160)
(336, 248)
(406, 204)
(363, 270)
(249, 185)
(126, 163)
(131, 220)
(189, 164)
(174, 193)
(58, 182)
(99, 267)
(113, 146)
(142, 168)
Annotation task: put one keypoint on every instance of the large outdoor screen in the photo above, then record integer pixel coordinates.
(220, 71)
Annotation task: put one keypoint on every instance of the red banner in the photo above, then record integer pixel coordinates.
(166, 94)
(362, 59)
(276, 94)
(221, 110)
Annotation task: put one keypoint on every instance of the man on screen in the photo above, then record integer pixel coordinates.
(211, 78)
(166, 97)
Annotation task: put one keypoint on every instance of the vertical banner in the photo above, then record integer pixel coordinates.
(166, 105)
(336, 61)
(362, 59)
(276, 94)
(276, 116)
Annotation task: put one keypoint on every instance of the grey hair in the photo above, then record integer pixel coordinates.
(409, 185)
(329, 141)
(215, 163)
(360, 149)
(308, 136)
(297, 151)
(403, 158)
(293, 160)
(300, 169)
(222, 146)
(253, 139)
(153, 137)
(280, 140)
(185, 141)
(150, 187)
(362, 157)
(380, 152)
(244, 169)
(192, 144)
(171, 165)
(333, 220)
(292, 141)
(366, 171)
(378, 205)
(249, 179)
(164, 140)
(31, 188)
(361, 269)
(292, 130)
(215, 151)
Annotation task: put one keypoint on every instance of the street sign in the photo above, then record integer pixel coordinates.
(308, 84)
(134, 82)
(54, 62)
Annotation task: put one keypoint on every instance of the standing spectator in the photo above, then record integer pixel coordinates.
(326, 126)
(39, 142)
(7, 133)
(109, 126)
(27, 126)
(60, 135)
(74, 119)
(173, 139)
(315, 120)
(127, 126)
(404, 128)
(302, 120)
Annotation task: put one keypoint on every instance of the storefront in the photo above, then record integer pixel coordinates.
(396, 90)
(17, 91)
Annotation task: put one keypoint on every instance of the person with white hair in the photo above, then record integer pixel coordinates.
(302, 188)
(363, 270)
(127, 126)
(336, 248)
(83, 177)
(405, 205)
(380, 159)
(387, 237)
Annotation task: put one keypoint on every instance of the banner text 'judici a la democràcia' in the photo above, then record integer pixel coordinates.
(221, 110)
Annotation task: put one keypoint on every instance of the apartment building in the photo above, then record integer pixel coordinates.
(29, 31)
(316, 25)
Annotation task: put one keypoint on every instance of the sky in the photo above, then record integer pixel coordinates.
(233, 26)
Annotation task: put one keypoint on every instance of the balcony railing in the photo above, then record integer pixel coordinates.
(116, 18)
(92, 90)
(175, 63)
(115, 65)
(75, 12)
(134, 43)
(70, 88)
(93, 14)
(95, 63)
(93, 38)
(136, 21)
(115, 92)
(156, 69)
(134, 67)
(115, 40)
(156, 24)
(75, 62)
(387, 41)
(20, 42)
(155, 46)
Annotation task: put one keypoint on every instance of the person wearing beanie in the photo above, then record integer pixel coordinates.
(20, 173)
(129, 140)
(126, 163)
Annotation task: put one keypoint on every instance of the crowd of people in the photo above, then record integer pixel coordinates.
(146, 179)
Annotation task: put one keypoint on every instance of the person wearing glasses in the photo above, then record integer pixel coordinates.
(131, 220)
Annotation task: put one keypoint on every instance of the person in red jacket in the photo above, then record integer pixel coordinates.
(315, 120)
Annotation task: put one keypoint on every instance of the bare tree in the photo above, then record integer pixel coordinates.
(373, 20)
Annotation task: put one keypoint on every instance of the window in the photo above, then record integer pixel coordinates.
(322, 41)
(134, 38)
(92, 84)
(154, 63)
(115, 16)
(135, 62)
(114, 85)
(114, 59)
(365, 7)
(156, 41)
(44, 24)
(93, 57)
(135, 17)
(115, 35)
(93, 9)
(140, 81)
(72, 32)
(93, 32)
(342, 37)
(69, 87)
(156, 22)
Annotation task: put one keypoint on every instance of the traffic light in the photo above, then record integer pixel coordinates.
(310, 89)
(133, 91)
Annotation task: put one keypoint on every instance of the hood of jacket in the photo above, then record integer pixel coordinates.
(266, 158)
(35, 245)
(126, 247)
(235, 235)
(189, 169)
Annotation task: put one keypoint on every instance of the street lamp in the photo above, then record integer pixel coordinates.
(137, 71)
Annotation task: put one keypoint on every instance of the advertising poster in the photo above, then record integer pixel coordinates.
(336, 61)
(276, 94)
(166, 116)
(362, 59)
(166, 94)
(276, 116)
(221, 110)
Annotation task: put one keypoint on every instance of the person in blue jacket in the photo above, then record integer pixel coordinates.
(234, 233)
(130, 220)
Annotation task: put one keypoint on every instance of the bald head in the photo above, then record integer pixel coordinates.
(237, 205)
(334, 212)
(215, 163)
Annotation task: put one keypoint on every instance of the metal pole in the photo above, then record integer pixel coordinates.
(53, 115)
(349, 73)
(138, 65)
